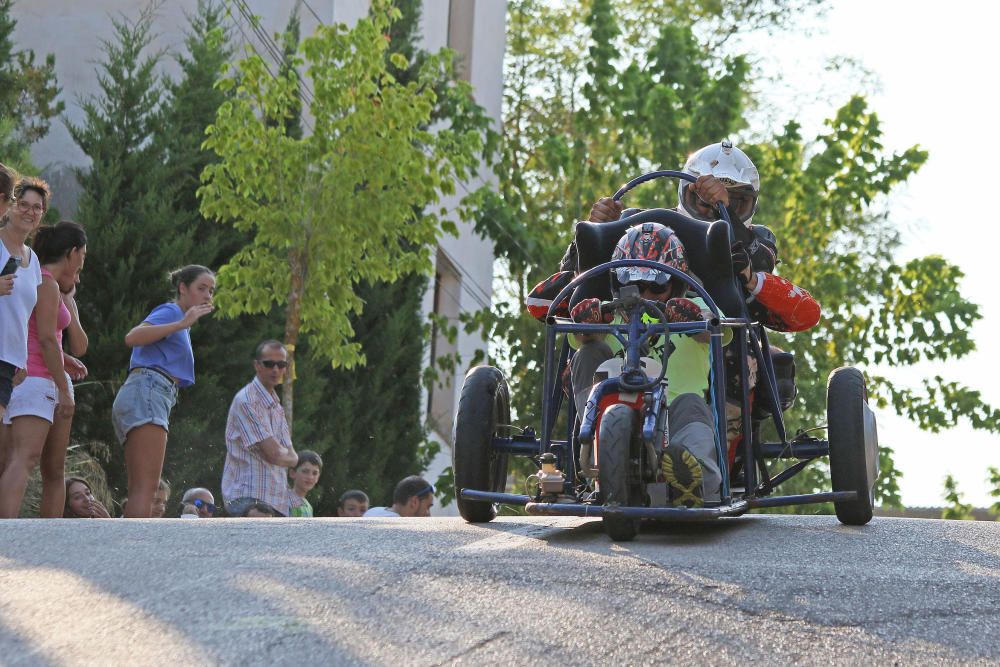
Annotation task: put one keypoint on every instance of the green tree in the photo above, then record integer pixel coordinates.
(224, 348)
(126, 204)
(955, 509)
(372, 449)
(367, 165)
(994, 481)
(28, 92)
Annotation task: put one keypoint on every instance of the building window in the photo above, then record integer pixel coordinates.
(461, 20)
(444, 347)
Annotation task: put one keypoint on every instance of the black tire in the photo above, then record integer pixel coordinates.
(614, 465)
(483, 413)
(853, 438)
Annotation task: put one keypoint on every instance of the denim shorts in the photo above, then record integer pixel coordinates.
(147, 397)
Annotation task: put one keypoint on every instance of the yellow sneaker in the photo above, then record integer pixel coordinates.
(683, 475)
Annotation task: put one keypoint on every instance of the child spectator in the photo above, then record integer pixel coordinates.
(162, 361)
(304, 476)
(81, 503)
(259, 511)
(353, 503)
(413, 496)
(160, 500)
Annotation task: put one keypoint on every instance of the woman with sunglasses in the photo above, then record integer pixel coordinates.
(162, 362)
(19, 287)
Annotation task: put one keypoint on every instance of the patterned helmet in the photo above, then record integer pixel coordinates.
(654, 242)
(731, 166)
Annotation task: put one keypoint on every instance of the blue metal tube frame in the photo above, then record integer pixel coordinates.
(791, 450)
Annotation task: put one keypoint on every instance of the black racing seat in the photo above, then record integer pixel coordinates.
(706, 244)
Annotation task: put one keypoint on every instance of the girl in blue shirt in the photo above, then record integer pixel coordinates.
(162, 361)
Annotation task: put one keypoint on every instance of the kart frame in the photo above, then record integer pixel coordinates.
(749, 338)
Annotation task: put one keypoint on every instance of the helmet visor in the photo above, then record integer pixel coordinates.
(698, 207)
(742, 203)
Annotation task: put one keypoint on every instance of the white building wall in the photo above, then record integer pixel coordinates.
(73, 30)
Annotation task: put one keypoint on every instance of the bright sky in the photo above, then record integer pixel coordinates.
(934, 86)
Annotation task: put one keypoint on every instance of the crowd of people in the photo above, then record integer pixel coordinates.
(41, 342)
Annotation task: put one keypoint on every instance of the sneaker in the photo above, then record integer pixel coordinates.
(683, 473)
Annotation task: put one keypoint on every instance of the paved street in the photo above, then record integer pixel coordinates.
(757, 590)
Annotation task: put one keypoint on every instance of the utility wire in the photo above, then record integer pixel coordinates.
(311, 11)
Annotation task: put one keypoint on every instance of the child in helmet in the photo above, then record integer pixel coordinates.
(690, 462)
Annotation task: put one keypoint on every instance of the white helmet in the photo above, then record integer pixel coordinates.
(731, 166)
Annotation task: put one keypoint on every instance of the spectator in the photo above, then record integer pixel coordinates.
(413, 496)
(304, 476)
(198, 502)
(352, 503)
(162, 361)
(259, 511)
(40, 412)
(259, 448)
(81, 503)
(160, 500)
(18, 290)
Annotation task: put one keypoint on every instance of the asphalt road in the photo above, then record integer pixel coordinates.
(754, 590)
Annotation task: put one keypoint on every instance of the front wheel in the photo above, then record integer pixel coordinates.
(483, 414)
(614, 464)
(853, 436)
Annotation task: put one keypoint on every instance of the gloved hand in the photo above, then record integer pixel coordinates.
(589, 311)
(680, 309)
(741, 262)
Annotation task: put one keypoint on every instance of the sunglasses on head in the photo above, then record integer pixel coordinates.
(268, 363)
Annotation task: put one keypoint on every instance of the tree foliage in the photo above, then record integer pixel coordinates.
(994, 481)
(126, 207)
(955, 508)
(368, 164)
(28, 92)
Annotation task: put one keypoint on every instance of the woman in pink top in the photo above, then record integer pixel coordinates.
(40, 412)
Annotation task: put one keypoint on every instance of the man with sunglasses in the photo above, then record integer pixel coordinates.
(259, 448)
(198, 502)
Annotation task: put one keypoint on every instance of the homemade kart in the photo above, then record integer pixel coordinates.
(608, 464)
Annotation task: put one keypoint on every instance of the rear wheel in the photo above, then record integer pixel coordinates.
(614, 465)
(483, 414)
(853, 436)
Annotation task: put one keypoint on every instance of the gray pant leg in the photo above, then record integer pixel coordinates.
(582, 367)
(692, 427)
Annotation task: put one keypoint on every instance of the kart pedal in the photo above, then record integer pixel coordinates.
(683, 473)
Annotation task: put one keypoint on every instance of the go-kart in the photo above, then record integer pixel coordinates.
(608, 464)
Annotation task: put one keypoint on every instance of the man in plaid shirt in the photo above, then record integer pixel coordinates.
(259, 448)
